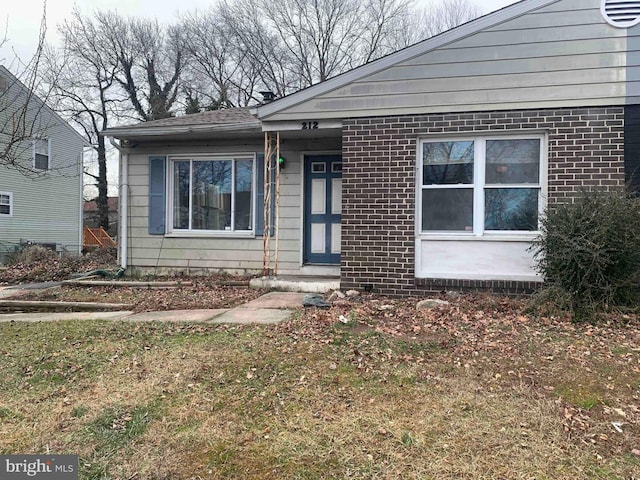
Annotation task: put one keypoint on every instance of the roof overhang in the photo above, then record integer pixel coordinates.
(211, 130)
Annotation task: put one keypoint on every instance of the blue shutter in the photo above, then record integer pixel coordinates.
(260, 164)
(157, 195)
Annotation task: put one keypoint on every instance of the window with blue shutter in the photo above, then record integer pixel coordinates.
(157, 195)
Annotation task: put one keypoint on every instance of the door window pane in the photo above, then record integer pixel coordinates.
(447, 163)
(513, 161)
(511, 209)
(181, 195)
(211, 196)
(244, 195)
(318, 167)
(447, 209)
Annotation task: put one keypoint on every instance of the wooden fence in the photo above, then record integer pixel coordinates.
(96, 238)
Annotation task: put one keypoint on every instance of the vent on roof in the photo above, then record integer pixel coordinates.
(621, 13)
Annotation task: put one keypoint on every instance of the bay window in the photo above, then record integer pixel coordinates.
(212, 194)
(483, 185)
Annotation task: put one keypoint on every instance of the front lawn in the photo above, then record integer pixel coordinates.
(366, 389)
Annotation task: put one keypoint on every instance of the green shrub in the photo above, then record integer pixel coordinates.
(590, 249)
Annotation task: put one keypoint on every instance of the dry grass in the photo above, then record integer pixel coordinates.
(464, 396)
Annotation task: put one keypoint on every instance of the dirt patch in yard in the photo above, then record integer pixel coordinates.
(37, 264)
(209, 292)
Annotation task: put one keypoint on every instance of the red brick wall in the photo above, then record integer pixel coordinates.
(586, 148)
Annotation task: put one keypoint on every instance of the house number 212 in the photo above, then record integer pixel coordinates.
(309, 125)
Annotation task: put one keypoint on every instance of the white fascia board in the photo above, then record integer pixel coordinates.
(128, 132)
(286, 125)
(455, 34)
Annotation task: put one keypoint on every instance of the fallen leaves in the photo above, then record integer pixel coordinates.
(203, 293)
(38, 264)
(490, 338)
(591, 371)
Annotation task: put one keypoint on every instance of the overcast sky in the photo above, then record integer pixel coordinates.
(21, 18)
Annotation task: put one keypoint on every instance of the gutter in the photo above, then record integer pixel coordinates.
(128, 132)
(123, 203)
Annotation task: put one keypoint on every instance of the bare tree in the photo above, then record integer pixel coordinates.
(112, 68)
(286, 45)
(82, 76)
(150, 60)
(439, 16)
(447, 14)
(262, 54)
(383, 23)
(219, 72)
(20, 122)
(292, 44)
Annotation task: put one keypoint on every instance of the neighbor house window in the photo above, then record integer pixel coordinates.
(481, 185)
(41, 154)
(6, 204)
(212, 194)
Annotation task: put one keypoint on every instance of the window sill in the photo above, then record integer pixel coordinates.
(210, 235)
(480, 278)
(487, 237)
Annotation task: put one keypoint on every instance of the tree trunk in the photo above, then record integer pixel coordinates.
(102, 202)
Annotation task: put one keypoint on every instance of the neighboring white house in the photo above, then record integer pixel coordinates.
(41, 201)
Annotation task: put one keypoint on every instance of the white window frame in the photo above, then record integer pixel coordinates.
(33, 153)
(479, 186)
(176, 232)
(10, 195)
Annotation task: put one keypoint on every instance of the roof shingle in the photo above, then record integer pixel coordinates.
(213, 117)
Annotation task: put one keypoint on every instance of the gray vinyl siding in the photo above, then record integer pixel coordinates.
(563, 54)
(237, 254)
(633, 65)
(46, 204)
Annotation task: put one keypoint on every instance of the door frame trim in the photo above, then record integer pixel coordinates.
(303, 156)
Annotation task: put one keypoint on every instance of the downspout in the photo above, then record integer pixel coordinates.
(124, 202)
(81, 174)
(277, 231)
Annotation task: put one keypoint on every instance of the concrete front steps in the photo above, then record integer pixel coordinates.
(291, 283)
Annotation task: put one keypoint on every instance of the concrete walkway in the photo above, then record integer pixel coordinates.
(273, 307)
